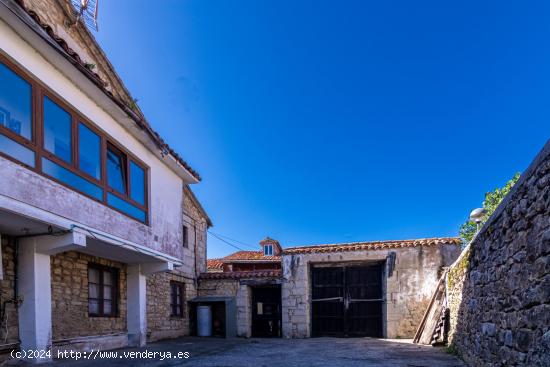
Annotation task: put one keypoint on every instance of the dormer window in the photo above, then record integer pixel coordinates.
(268, 250)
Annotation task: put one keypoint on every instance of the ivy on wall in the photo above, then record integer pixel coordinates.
(491, 202)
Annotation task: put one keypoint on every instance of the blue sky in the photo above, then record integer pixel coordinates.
(333, 121)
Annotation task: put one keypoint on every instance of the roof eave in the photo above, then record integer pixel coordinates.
(27, 28)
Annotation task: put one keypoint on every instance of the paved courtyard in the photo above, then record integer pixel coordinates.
(281, 352)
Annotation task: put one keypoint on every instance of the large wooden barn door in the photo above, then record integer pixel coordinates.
(347, 301)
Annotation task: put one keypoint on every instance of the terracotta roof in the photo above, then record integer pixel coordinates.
(242, 274)
(214, 264)
(250, 255)
(375, 245)
(86, 69)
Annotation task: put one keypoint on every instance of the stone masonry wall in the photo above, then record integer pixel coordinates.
(408, 289)
(70, 297)
(197, 226)
(499, 293)
(243, 300)
(9, 325)
(160, 323)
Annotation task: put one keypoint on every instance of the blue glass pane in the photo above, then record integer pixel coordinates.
(71, 179)
(125, 207)
(89, 145)
(116, 166)
(57, 130)
(15, 103)
(16, 150)
(137, 183)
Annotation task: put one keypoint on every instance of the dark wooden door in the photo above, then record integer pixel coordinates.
(266, 312)
(347, 301)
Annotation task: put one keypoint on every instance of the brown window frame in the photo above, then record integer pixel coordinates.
(114, 290)
(36, 145)
(173, 299)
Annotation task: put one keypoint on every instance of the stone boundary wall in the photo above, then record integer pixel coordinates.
(499, 290)
(407, 289)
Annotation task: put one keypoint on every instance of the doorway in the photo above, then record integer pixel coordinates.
(266, 311)
(347, 301)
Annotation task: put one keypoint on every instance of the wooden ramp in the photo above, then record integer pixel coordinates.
(432, 327)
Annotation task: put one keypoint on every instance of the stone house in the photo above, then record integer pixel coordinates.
(378, 289)
(102, 239)
(243, 290)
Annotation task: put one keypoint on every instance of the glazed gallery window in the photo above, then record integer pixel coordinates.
(15, 103)
(89, 151)
(55, 140)
(102, 290)
(127, 191)
(15, 116)
(116, 170)
(176, 299)
(57, 130)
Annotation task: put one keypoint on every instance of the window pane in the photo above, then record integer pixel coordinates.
(93, 290)
(107, 292)
(137, 183)
(93, 306)
(71, 179)
(93, 275)
(107, 309)
(125, 207)
(16, 150)
(116, 167)
(107, 278)
(89, 145)
(15, 103)
(57, 130)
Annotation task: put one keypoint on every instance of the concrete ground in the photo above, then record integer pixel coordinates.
(278, 352)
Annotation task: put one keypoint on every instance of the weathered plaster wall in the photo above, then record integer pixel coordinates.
(408, 289)
(499, 293)
(166, 197)
(9, 326)
(70, 298)
(243, 298)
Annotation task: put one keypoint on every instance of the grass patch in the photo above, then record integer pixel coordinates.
(451, 349)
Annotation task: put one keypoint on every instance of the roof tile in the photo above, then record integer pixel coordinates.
(250, 255)
(214, 264)
(86, 69)
(242, 274)
(374, 245)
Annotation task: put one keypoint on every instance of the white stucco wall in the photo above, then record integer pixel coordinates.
(165, 186)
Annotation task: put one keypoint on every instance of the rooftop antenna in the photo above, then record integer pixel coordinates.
(86, 10)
